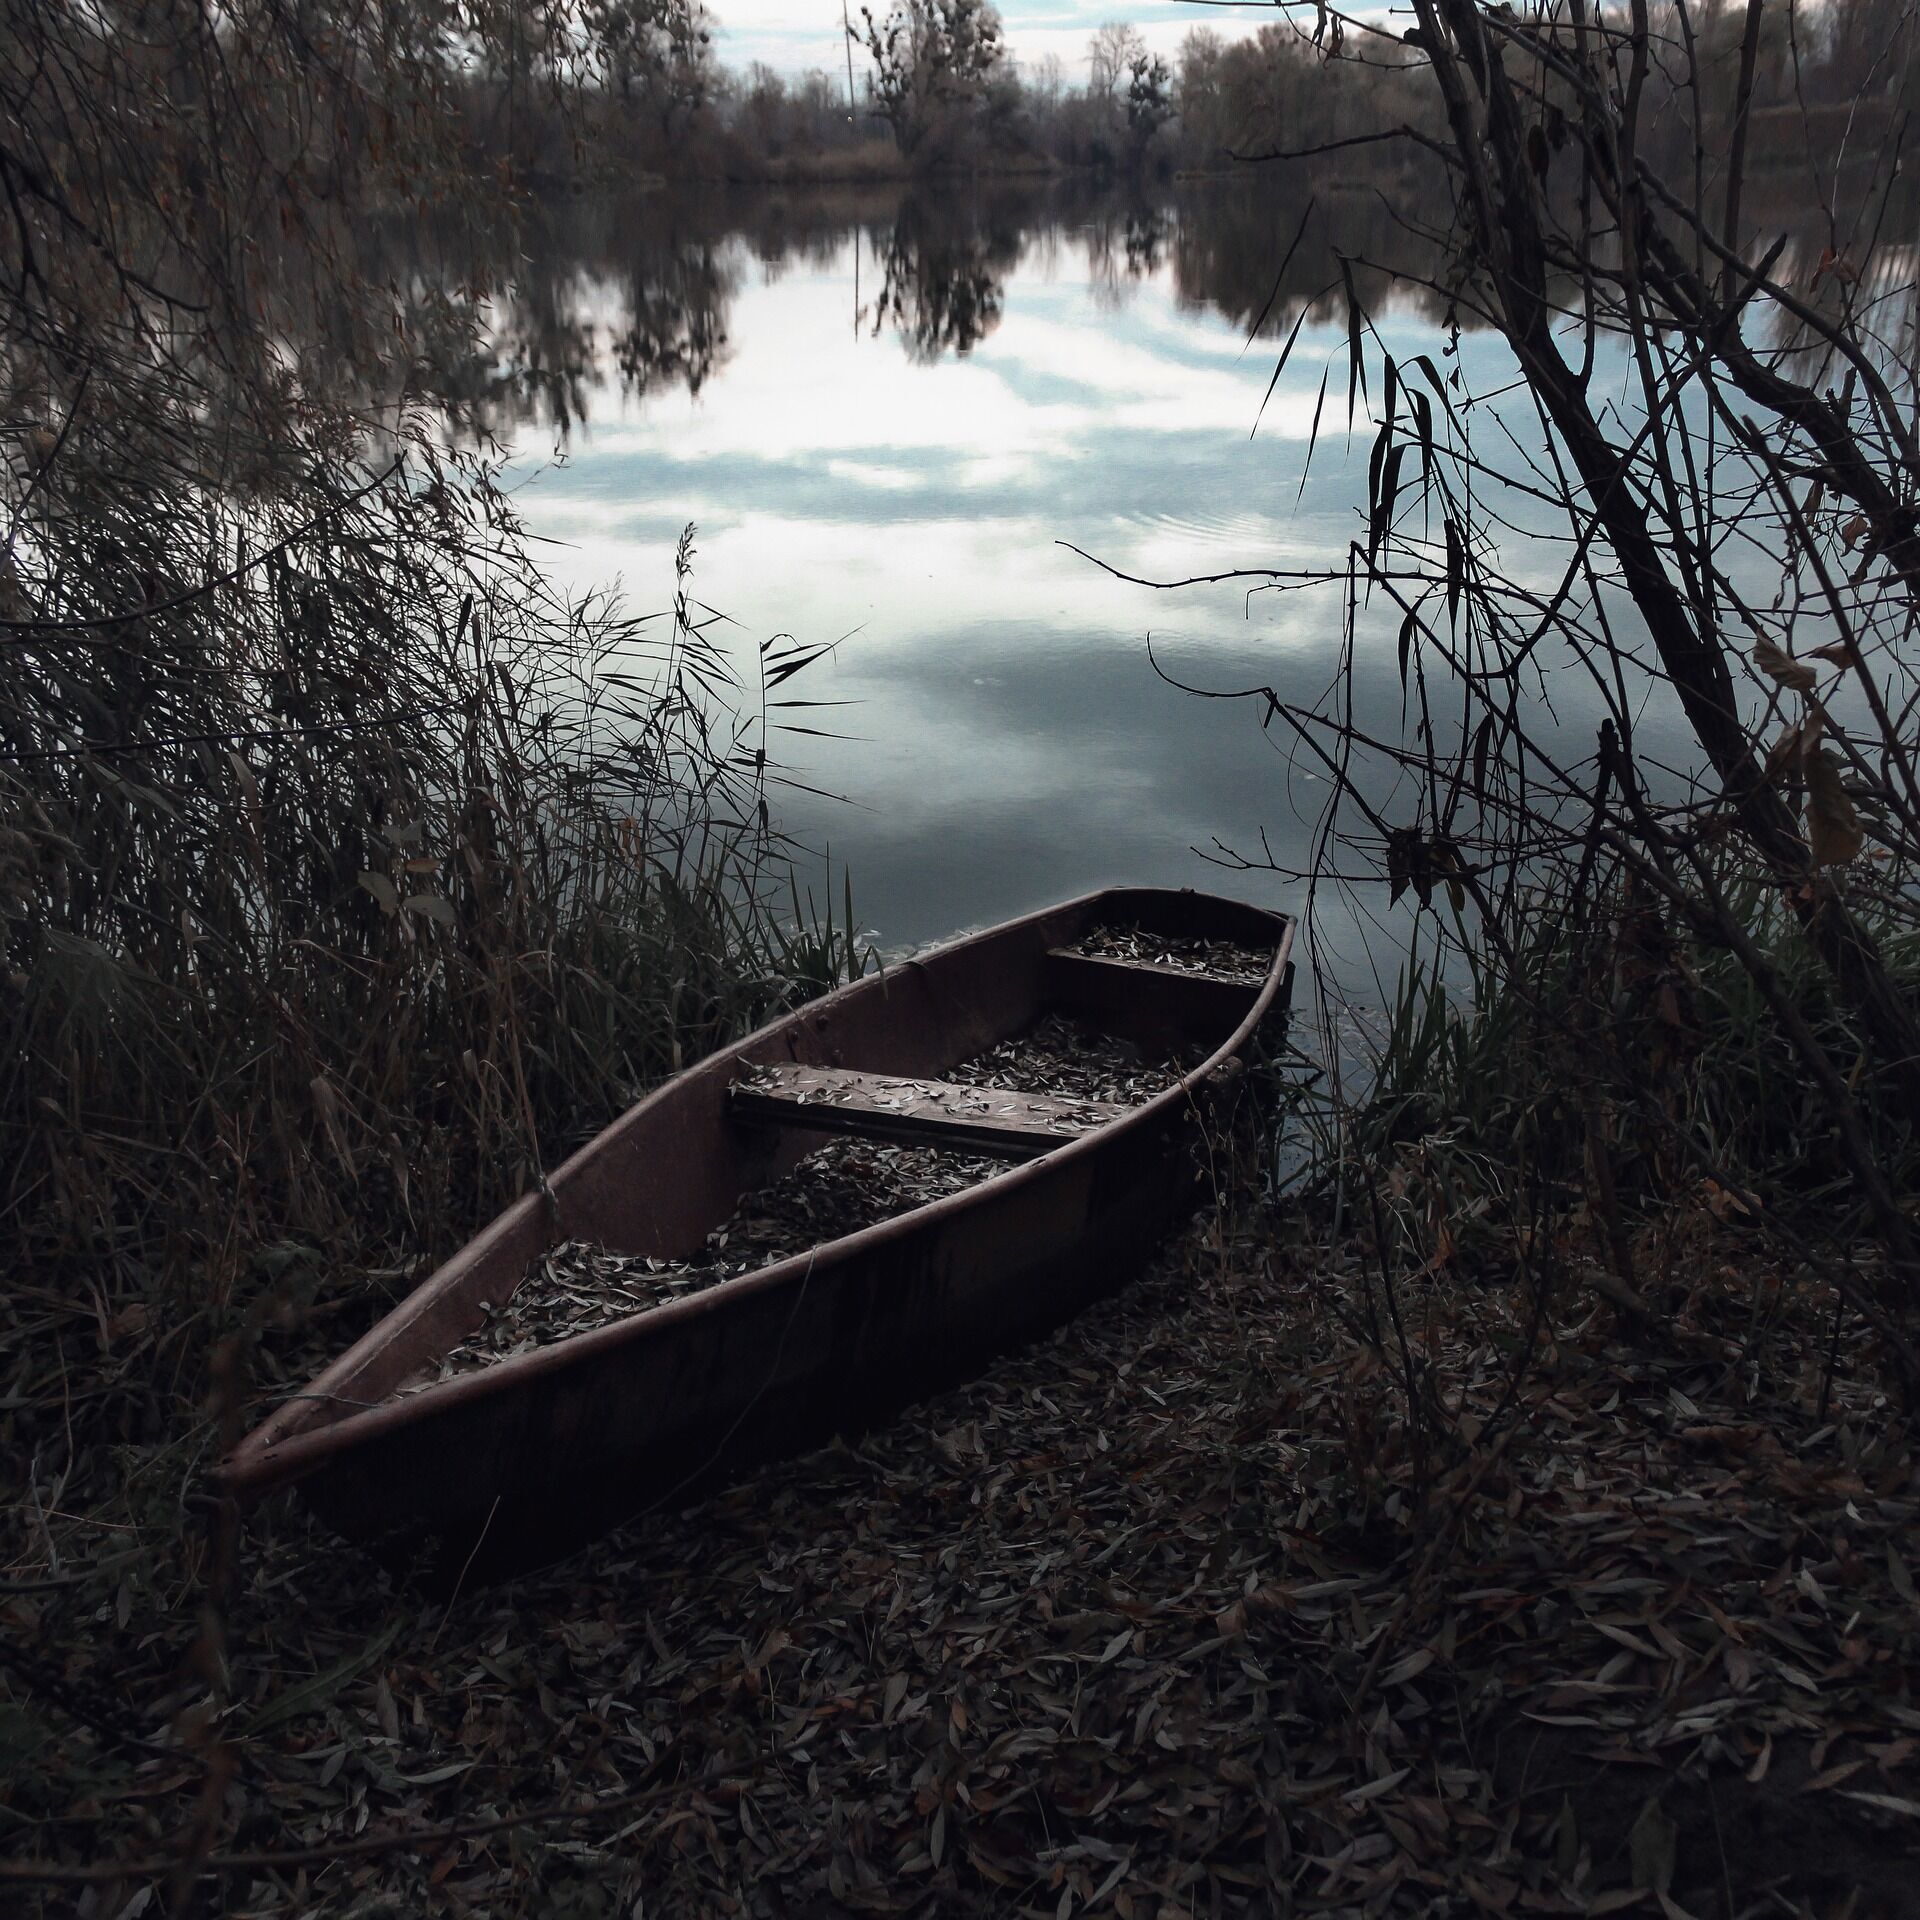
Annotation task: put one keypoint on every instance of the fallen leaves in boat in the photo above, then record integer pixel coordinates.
(843, 1186)
(1146, 1622)
(1072, 1062)
(577, 1286)
(1224, 959)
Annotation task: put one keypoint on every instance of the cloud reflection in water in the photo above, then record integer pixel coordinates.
(901, 464)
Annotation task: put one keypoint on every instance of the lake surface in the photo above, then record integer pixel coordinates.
(893, 422)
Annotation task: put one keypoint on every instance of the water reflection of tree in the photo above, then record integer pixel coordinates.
(943, 272)
(545, 358)
(1259, 253)
(1125, 245)
(640, 288)
(677, 303)
(1260, 249)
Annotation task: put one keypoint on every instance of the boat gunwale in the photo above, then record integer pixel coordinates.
(260, 1463)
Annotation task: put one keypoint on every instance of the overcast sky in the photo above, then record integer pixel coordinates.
(795, 35)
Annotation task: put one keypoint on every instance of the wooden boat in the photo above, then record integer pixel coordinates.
(518, 1460)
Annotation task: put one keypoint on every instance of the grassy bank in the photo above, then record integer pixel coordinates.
(1601, 1071)
(1383, 1550)
(436, 876)
(315, 963)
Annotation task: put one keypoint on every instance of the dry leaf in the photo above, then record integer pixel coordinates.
(1833, 827)
(1783, 667)
(1651, 1848)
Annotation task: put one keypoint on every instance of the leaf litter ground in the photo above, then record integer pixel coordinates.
(1142, 1622)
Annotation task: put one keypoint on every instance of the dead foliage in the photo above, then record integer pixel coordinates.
(1070, 1061)
(1226, 959)
(1145, 1621)
(834, 1191)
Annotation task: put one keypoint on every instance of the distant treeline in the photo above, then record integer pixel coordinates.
(931, 86)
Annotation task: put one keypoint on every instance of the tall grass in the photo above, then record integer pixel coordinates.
(340, 903)
(349, 874)
(1613, 1066)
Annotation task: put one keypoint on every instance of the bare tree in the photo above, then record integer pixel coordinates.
(1727, 529)
(1149, 101)
(933, 61)
(1111, 52)
(1048, 80)
(659, 52)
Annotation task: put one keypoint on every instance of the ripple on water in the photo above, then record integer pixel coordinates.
(1246, 534)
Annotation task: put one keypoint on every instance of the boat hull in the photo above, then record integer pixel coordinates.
(520, 1462)
(833, 1349)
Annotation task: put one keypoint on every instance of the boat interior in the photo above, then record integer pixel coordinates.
(869, 1061)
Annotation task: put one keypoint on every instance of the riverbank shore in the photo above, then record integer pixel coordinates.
(877, 161)
(1157, 1618)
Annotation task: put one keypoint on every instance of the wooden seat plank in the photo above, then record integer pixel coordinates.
(935, 1113)
(1152, 1006)
(1114, 966)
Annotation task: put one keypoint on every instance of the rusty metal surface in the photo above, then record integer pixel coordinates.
(542, 1447)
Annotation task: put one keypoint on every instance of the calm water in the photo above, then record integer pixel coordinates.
(891, 423)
